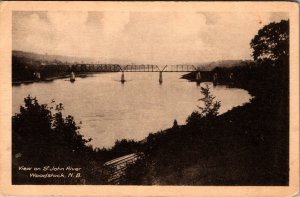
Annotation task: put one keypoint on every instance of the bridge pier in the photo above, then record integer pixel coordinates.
(122, 77)
(215, 79)
(160, 77)
(198, 77)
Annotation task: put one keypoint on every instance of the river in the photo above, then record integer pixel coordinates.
(109, 110)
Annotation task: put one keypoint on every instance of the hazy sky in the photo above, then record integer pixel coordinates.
(140, 37)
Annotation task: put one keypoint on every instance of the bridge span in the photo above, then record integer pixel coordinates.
(155, 68)
(143, 68)
(134, 68)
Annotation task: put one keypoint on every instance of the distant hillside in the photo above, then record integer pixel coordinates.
(49, 58)
(207, 69)
(64, 59)
(223, 63)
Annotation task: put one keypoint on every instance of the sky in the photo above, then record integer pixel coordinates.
(140, 37)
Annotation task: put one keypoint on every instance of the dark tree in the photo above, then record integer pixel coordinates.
(271, 42)
(42, 136)
(194, 118)
(208, 111)
(211, 107)
(175, 124)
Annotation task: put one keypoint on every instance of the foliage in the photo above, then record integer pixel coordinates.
(136, 173)
(271, 42)
(175, 124)
(248, 145)
(123, 147)
(210, 109)
(36, 131)
(41, 136)
(194, 118)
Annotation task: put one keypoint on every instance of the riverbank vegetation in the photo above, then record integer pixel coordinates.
(248, 145)
(25, 67)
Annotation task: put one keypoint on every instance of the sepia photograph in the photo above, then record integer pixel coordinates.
(150, 97)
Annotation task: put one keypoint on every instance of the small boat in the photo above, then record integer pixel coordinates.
(72, 77)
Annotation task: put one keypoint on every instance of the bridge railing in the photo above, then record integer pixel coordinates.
(117, 167)
(133, 68)
(155, 68)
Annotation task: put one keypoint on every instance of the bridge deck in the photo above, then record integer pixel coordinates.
(137, 68)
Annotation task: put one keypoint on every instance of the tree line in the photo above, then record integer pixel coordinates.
(24, 68)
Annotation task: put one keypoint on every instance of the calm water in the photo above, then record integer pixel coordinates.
(110, 110)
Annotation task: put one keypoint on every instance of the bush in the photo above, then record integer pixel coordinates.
(209, 111)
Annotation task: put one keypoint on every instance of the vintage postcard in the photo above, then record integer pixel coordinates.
(149, 98)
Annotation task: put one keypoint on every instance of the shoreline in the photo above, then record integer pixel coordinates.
(50, 79)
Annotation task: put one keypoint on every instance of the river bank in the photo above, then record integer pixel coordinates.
(248, 145)
(50, 79)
